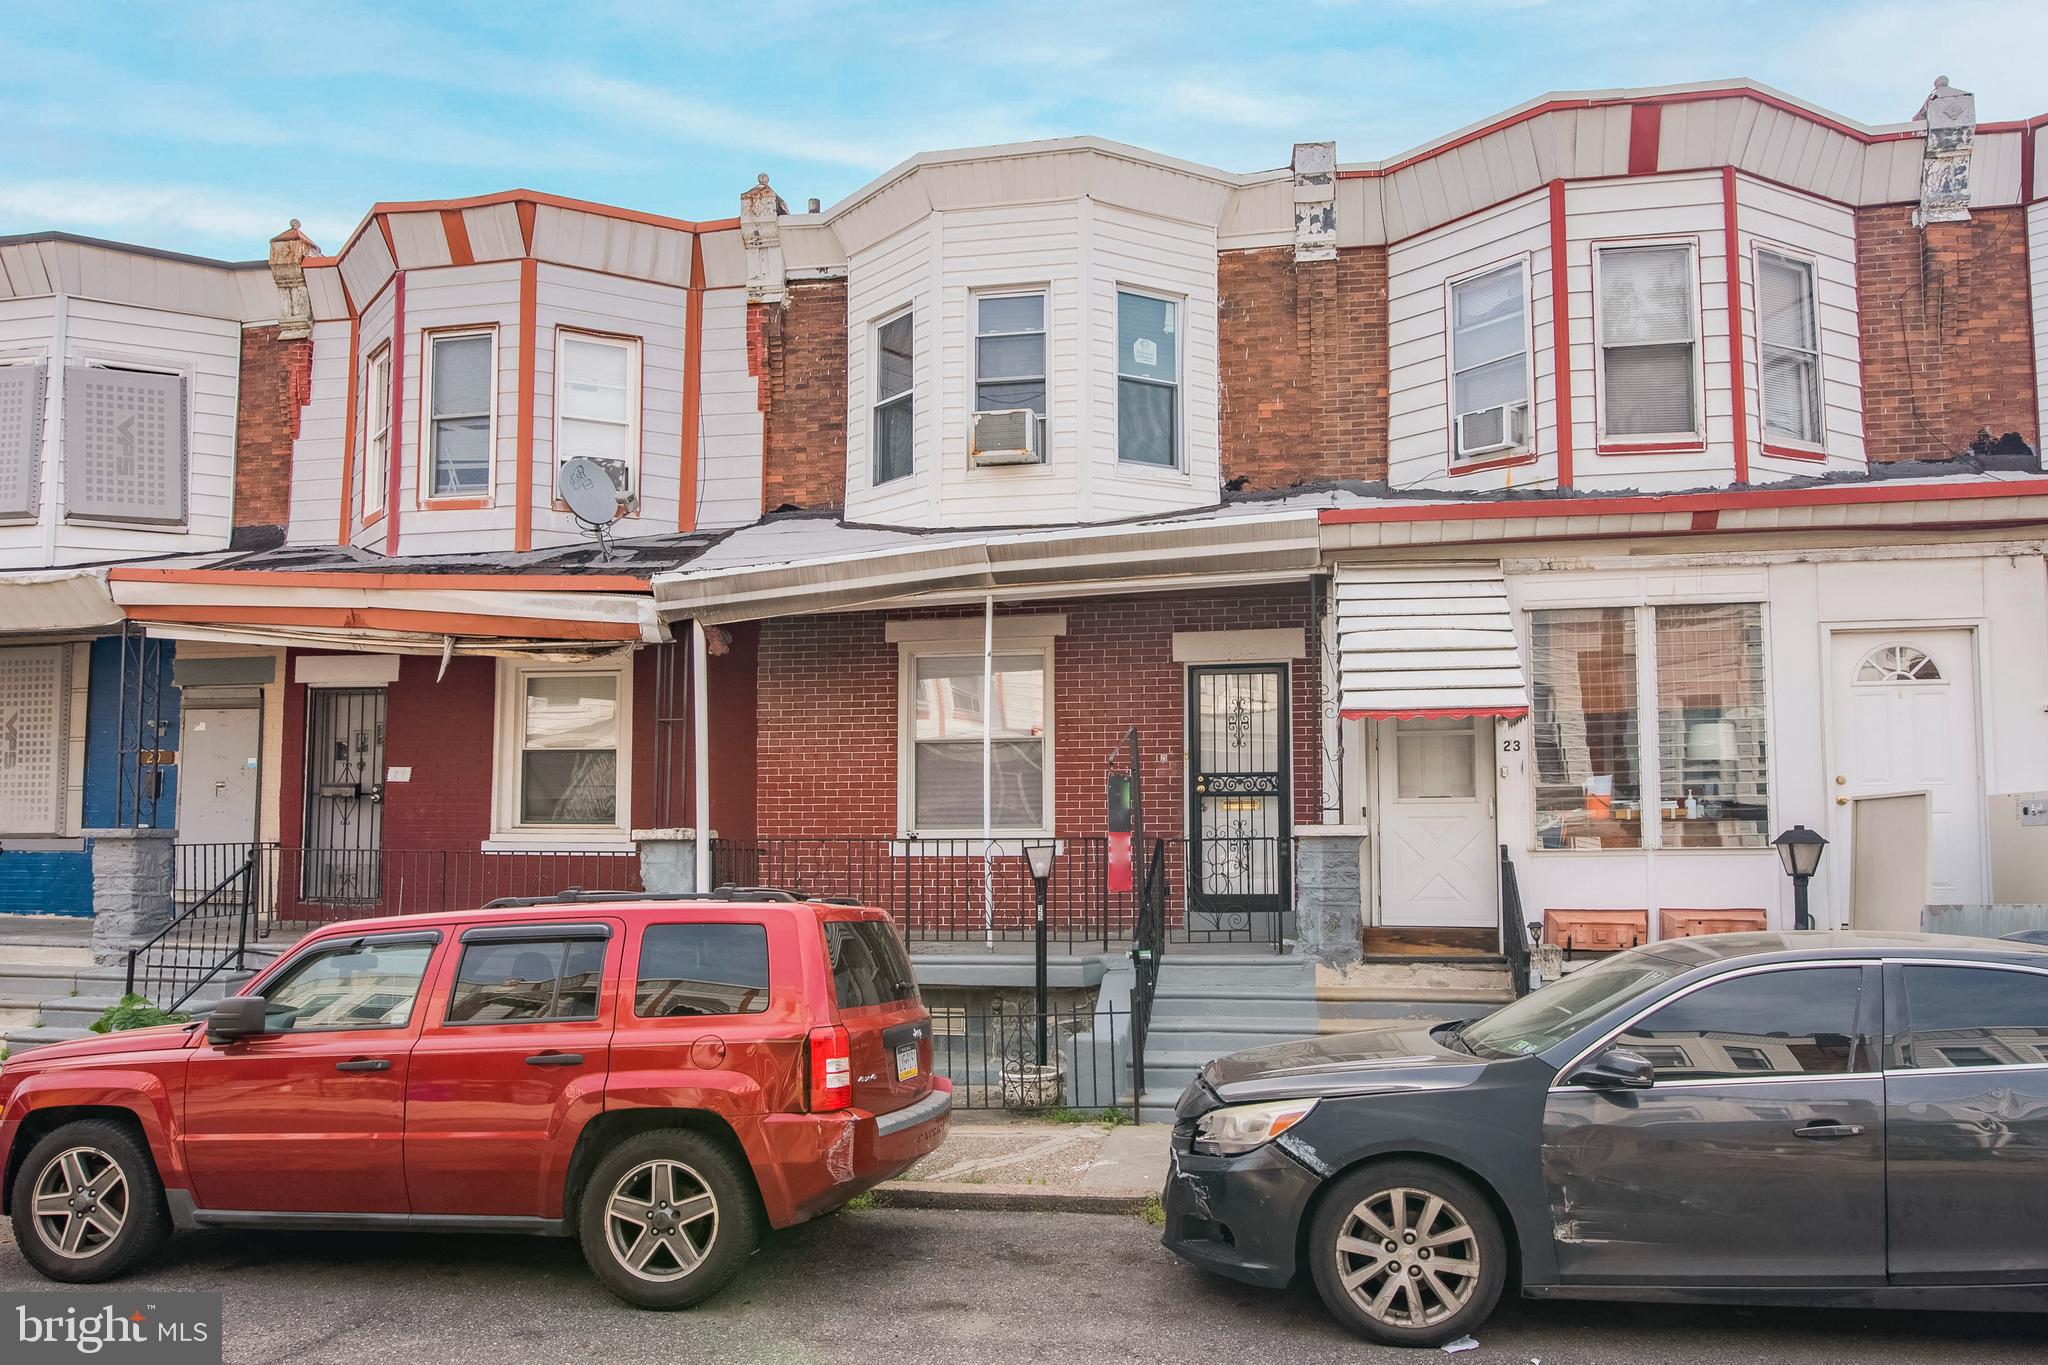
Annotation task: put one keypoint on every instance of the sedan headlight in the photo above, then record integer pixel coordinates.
(1239, 1128)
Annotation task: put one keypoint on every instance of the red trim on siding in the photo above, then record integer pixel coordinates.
(525, 210)
(1480, 467)
(348, 442)
(1732, 500)
(1680, 448)
(1779, 452)
(1731, 260)
(1561, 334)
(390, 618)
(693, 389)
(457, 232)
(529, 309)
(1440, 713)
(317, 578)
(397, 412)
(1705, 521)
(1645, 124)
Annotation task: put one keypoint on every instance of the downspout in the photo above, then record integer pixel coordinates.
(988, 668)
(700, 752)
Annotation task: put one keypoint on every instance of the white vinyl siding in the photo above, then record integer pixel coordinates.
(1788, 333)
(1647, 315)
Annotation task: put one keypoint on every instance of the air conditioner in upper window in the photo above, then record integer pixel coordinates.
(1003, 436)
(1502, 427)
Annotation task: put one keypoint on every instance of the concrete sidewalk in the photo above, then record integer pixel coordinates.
(1002, 1161)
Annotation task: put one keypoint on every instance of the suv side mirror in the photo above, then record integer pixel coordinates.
(237, 1017)
(1615, 1068)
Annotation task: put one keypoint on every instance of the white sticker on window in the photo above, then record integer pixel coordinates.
(1168, 325)
(1145, 351)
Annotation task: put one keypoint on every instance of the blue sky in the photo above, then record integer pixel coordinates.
(205, 126)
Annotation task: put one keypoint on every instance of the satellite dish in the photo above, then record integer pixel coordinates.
(588, 488)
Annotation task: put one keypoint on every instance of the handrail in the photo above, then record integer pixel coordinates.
(245, 874)
(1514, 929)
(1148, 945)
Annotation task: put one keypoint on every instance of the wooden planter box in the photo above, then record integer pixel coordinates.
(1596, 931)
(1686, 923)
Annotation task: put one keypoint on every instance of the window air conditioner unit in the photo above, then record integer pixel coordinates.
(1003, 436)
(1503, 427)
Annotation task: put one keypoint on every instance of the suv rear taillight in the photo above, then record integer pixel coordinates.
(831, 1069)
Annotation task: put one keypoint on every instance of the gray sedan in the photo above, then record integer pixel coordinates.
(1835, 1118)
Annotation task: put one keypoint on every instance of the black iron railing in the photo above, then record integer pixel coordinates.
(1514, 928)
(206, 939)
(1148, 946)
(991, 1057)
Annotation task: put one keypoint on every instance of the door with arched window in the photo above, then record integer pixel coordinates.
(1905, 723)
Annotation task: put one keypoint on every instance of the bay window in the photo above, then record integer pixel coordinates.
(1648, 342)
(894, 412)
(944, 718)
(1009, 355)
(597, 404)
(461, 387)
(1694, 772)
(1147, 380)
(1788, 327)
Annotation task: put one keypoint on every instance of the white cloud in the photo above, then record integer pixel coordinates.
(144, 211)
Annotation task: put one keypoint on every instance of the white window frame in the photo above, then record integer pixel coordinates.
(1044, 332)
(508, 832)
(1179, 304)
(906, 733)
(376, 480)
(631, 346)
(424, 494)
(1651, 441)
(1452, 369)
(1776, 442)
(876, 402)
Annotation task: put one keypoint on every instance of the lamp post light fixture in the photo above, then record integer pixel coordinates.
(1799, 849)
(1038, 858)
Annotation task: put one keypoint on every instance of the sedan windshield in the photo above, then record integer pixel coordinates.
(1544, 1018)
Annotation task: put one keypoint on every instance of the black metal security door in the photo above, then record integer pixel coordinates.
(344, 793)
(1240, 827)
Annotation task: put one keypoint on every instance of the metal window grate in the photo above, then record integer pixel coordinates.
(21, 439)
(125, 453)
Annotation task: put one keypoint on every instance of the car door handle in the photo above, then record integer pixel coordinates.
(1828, 1132)
(364, 1064)
(555, 1059)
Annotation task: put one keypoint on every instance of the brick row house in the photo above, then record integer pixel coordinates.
(1532, 524)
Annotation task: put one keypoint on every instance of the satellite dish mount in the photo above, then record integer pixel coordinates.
(593, 498)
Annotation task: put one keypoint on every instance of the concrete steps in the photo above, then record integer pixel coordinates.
(1209, 1005)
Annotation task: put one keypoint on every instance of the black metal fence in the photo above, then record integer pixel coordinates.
(992, 1058)
(209, 937)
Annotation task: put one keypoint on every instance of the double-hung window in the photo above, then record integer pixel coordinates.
(460, 385)
(1788, 327)
(945, 718)
(563, 735)
(377, 431)
(1649, 349)
(893, 417)
(1601, 781)
(1147, 380)
(1490, 364)
(597, 404)
(1009, 355)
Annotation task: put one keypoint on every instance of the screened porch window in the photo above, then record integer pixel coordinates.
(945, 720)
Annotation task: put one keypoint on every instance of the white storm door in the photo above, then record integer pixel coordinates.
(1434, 823)
(1905, 720)
(220, 774)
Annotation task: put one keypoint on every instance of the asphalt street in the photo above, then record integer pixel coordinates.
(899, 1287)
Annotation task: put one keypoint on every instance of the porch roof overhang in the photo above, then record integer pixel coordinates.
(1428, 640)
(798, 567)
(57, 602)
(435, 613)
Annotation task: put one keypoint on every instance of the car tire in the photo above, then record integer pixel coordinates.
(103, 1209)
(667, 1217)
(1447, 1262)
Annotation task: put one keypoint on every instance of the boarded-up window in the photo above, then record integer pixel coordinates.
(21, 439)
(124, 445)
(35, 704)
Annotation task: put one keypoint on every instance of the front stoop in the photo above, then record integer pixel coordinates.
(1206, 1006)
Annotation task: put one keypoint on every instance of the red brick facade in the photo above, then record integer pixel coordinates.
(1947, 336)
(276, 379)
(1302, 366)
(829, 712)
(797, 352)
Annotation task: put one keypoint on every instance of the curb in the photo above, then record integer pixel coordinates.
(914, 1194)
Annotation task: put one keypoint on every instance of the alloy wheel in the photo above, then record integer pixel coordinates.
(660, 1220)
(1407, 1258)
(79, 1203)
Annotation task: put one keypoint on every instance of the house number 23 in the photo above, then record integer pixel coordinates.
(1511, 746)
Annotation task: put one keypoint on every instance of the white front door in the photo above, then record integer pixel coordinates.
(219, 774)
(1905, 720)
(1433, 823)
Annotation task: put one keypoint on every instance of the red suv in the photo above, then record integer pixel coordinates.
(656, 1076)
